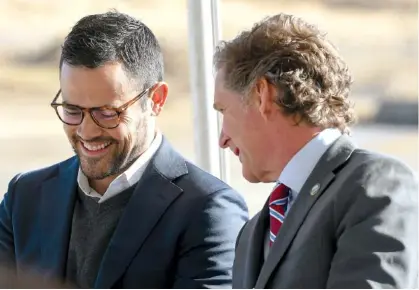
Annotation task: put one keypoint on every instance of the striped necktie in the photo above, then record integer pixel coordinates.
(278, 201)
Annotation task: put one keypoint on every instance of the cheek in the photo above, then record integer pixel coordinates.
(70, 131)
(126, 134)
(232, 127)
(119, 134)
(252, 136)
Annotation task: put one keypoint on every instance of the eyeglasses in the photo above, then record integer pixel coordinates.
(106, 117)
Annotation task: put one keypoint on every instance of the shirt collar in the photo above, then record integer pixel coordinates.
(135, 171)
(299, 168)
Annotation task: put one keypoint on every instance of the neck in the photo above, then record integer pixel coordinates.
(296, 140)
(101, 185)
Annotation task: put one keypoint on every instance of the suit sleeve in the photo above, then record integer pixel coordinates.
(7, 256)
(207, 251)
(377, 238)
(240, 234)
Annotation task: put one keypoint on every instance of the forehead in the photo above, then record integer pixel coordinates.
(87, 87)
(222, 95)
(219, 81)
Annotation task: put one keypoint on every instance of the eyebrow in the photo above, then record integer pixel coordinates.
(100, 107)
(109, 106)
(68, 104)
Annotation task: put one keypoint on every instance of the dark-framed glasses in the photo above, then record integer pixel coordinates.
(106, 117)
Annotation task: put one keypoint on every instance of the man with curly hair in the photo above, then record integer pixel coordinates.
(127, 210)
(339, 216)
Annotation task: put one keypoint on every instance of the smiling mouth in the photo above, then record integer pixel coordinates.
(236, 151)
(94, 149)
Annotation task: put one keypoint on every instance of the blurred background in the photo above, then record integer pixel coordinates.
(378, 39)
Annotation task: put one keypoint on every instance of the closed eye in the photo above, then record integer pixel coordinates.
(218, 108)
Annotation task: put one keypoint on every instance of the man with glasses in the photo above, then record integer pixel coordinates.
(127, 211)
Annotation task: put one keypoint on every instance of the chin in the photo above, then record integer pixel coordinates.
(249, 176)
(93, 174)
(95, 171)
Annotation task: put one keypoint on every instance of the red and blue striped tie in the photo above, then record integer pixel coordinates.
(278, 201)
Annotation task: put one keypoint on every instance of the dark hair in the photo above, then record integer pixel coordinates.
(115, 37)
(313, 80)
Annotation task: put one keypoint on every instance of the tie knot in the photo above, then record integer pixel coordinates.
(280, 192)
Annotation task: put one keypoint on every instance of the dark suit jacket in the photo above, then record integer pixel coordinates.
(358, 228)
(178, 229)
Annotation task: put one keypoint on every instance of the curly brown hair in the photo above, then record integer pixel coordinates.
(313, 80)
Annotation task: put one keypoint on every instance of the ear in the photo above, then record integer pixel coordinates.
(265, 96)
(159, 95)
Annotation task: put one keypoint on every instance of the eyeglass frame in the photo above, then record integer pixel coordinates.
(118, 110)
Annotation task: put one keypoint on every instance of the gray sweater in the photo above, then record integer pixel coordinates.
(92, 229)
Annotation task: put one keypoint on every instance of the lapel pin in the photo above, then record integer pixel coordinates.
(315, 189)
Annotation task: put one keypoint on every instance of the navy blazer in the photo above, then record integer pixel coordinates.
(177, 231)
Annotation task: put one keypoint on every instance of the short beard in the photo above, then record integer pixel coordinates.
(119, 161)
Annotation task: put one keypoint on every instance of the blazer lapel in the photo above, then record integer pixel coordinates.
(57, 203)
(322, 175)
(152, 197)
(250, 255)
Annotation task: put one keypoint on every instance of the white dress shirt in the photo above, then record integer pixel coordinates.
(299, 168)
(125, 180)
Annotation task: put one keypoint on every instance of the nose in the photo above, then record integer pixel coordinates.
(223, 140)
(88, 129)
